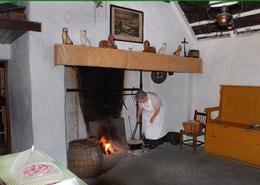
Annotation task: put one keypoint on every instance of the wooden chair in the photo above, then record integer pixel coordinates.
(194, 142)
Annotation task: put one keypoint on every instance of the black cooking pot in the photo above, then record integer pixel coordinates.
(135, 144)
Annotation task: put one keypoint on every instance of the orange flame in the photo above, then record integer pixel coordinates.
(106, 146)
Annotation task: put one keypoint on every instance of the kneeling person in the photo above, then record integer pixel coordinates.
(150, 106)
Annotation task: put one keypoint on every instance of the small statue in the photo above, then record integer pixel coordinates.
(163, 49)
(109, 43)
(84, 39)
(65, 36)
(148, 48)
(177, 52)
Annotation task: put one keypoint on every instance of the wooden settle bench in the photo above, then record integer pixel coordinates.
(231, 134)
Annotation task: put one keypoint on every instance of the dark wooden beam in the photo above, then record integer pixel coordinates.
(194, 11)
(6, 23)
(242, 22)
(225, 35)
(197, 11)
(247, 21)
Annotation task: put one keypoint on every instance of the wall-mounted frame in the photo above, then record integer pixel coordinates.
(126, 24)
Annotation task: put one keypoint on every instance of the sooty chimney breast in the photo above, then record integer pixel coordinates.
(101, 96)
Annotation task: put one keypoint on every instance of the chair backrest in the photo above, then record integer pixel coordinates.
(200, 116)
(240, 104)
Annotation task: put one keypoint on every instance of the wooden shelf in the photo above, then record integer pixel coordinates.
(71, 55)
(11, 29)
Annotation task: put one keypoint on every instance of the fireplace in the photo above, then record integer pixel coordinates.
(94, 101)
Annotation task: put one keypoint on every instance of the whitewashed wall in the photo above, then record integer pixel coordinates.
(233, 61)
(174, 91)
(161, 24)
(20, 101)
(5, 51)
(237, 64)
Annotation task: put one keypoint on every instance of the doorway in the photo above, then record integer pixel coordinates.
(5, 137)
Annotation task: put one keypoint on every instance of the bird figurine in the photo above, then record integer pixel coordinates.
(177, 52)
(84, 39)
(65, 36)
(163, 49)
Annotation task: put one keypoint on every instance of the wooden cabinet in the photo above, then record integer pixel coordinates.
(230, 135)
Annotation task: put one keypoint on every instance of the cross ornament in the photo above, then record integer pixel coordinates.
(184, 42)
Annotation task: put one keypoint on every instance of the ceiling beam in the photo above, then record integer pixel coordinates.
(6, 23)
(197, 12)
(242, 22)
(244, 14)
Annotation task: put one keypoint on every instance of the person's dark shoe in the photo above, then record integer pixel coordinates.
(152, 147)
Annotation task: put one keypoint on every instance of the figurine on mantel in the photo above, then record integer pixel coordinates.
(65, 36)
(84, 38)
(163, 49)
(177, 52)
(109, 43)
(148, 48)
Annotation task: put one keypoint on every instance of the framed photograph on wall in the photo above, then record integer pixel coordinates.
(126, 24)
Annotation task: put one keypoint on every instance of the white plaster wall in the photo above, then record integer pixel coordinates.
(5, 51)
(19, 81)
(233, 61)
(161, 24)
(75, 125)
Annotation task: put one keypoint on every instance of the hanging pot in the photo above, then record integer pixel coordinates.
(134, 144)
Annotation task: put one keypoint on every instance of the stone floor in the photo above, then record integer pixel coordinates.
(169, 165)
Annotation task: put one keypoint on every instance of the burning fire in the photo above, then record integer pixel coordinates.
(105, 145)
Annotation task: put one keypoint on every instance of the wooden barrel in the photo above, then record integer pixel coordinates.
(85, 157)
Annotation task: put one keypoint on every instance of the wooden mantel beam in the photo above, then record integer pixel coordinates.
(71, 55)
(7, 23)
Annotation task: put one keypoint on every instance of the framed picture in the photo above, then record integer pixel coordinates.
(126, 24)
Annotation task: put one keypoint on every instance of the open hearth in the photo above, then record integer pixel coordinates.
(95, 102)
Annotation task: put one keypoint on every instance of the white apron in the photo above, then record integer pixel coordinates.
(154, 130)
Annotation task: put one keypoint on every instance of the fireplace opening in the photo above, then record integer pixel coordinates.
(101, 94)
(101, 98)
(94, 102)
